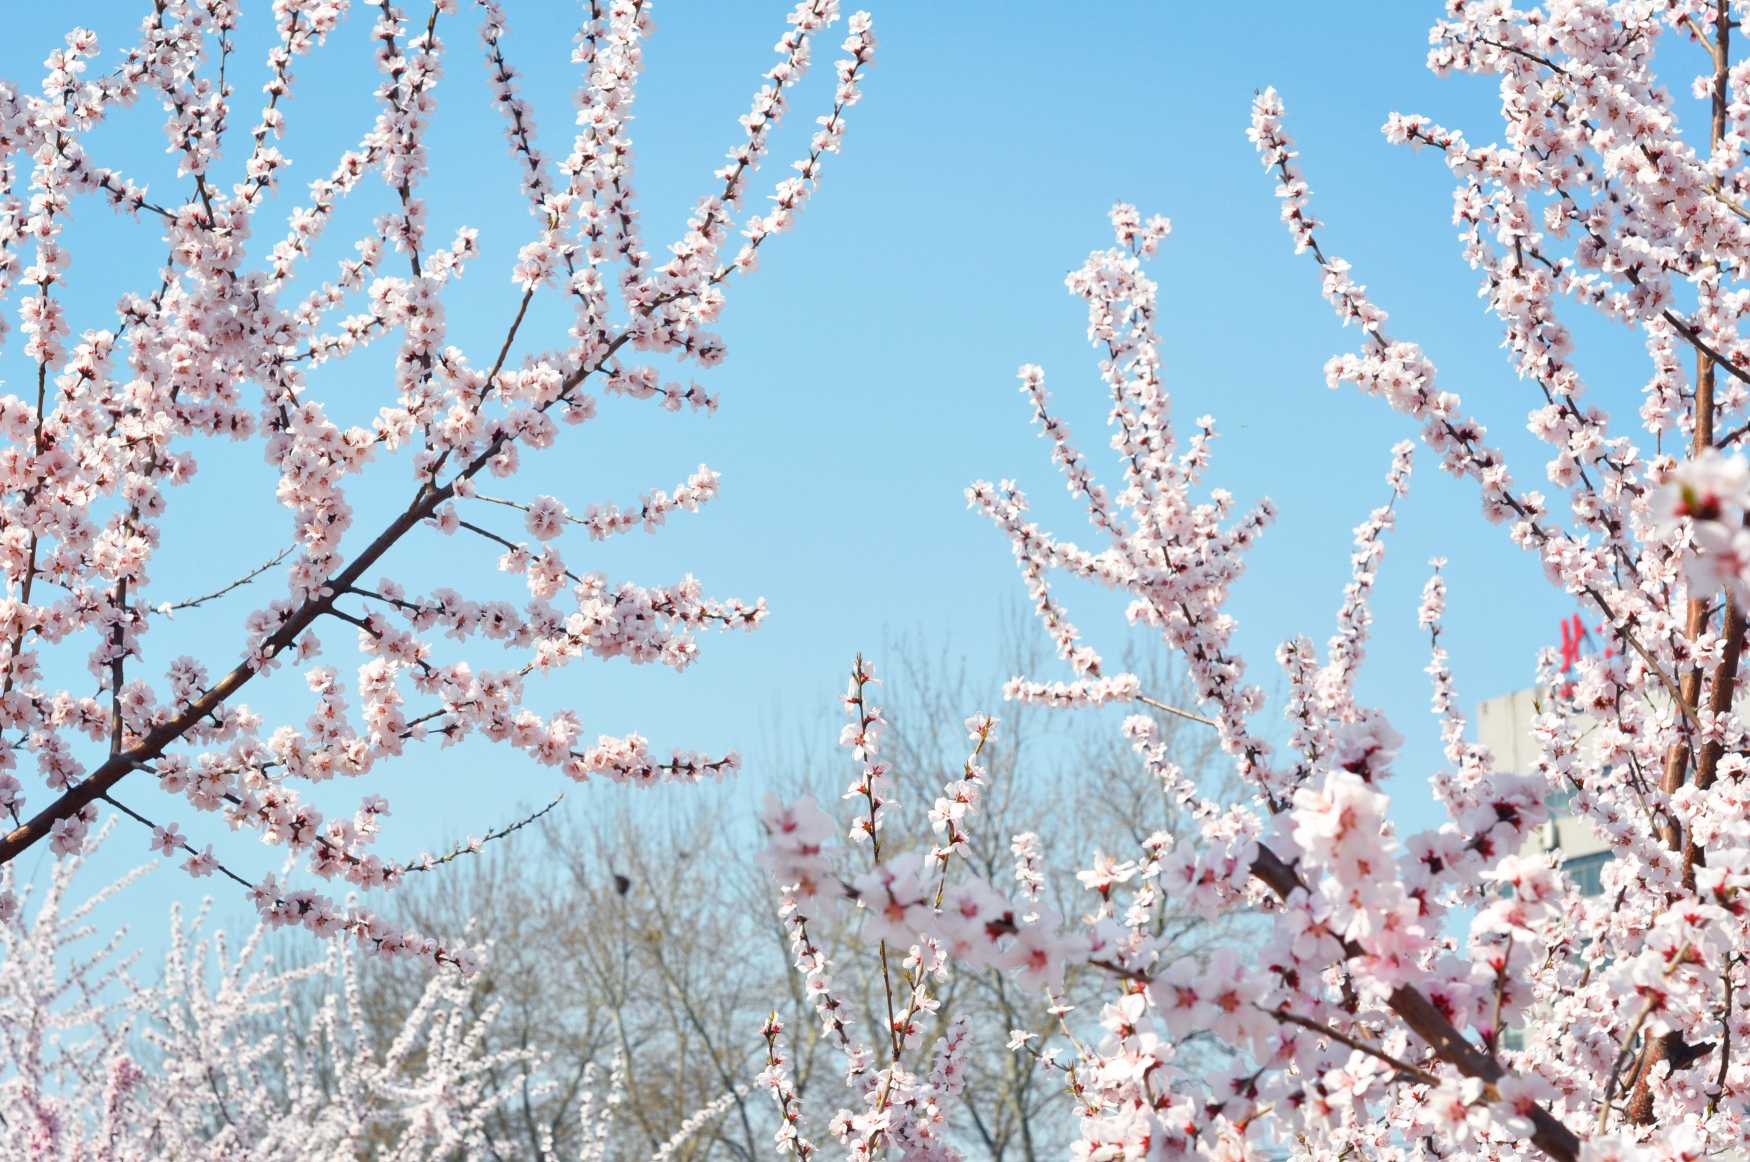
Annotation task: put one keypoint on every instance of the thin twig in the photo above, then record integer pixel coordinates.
(237, 584)
(1403, 1067)
(474, 845)
(1174, 710)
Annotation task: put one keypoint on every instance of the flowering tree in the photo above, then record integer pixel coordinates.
(1364, 1029)
(230, 1056)
(225, 346)
(650, 936)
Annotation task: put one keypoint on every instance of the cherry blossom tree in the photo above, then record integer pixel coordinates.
(233, 343)
(1371, 1016)
(229, 1055)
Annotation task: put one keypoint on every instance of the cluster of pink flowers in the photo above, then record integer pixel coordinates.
(915, 905)
(1565, 1025)
(94, 454)
(1708, 498)
(227, 1054)
(1355, 912)
(546, 516)
(1450, 993)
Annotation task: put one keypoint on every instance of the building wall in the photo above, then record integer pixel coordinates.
(1504, 726)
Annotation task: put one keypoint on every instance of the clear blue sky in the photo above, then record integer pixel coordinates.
(871, 360)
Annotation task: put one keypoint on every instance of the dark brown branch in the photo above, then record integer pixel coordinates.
(1430, 1024)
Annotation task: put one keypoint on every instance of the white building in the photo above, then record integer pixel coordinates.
(1504, 726)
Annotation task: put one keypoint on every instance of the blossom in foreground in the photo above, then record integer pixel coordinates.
(236, 341)
(1441, 994)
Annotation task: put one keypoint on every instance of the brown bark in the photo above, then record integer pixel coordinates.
(1672, 1047)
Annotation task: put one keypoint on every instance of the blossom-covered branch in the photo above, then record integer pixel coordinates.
(222, 348)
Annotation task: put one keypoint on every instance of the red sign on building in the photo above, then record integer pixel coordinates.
(1576, 637)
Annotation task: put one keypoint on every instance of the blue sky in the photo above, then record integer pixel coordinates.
(871, 358)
